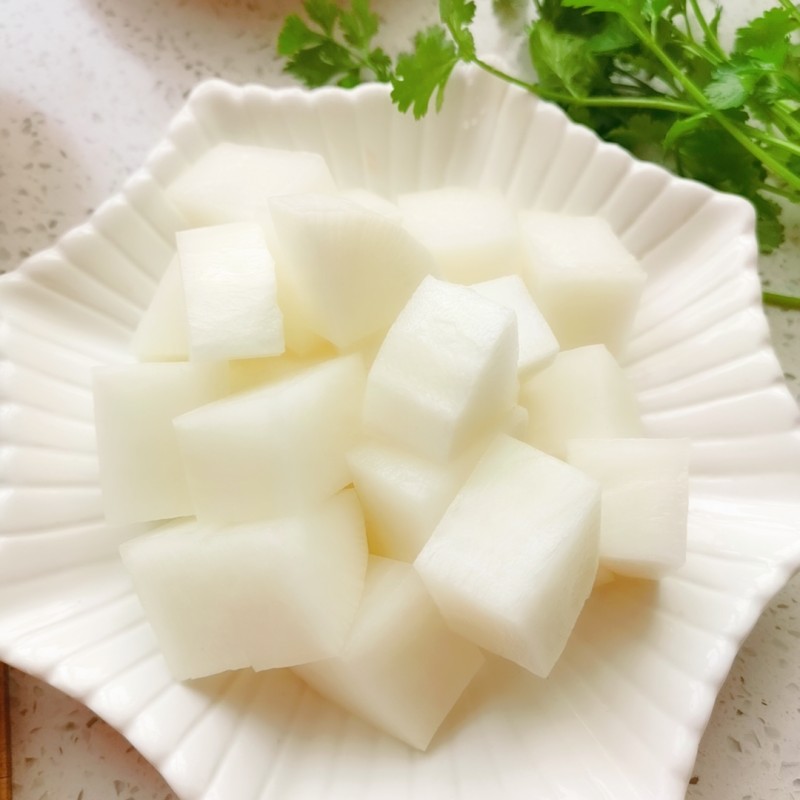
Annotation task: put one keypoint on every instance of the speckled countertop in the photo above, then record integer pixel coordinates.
(86, 88)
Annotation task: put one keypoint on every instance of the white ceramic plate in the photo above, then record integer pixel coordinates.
(622, 715)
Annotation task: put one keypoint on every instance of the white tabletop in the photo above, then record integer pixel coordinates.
(86, 88)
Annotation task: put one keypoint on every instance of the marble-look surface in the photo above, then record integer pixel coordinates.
(86, 87)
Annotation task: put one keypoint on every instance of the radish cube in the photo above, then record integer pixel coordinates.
(401, 669)
(472, 233)
(276, 449)
(300, 339)
(300, 579)
(233, 182)
(583, 394)
(446, 372)
(181, 600)
(403, 495)
(229, 286)
(265, 594)
(516, 423)
(162, 333)
(141, 471)
(584, 280)
(645, 486)
(514, 557)
(352, 269)
(374, 202)
(604, 574)
(537, 343)
(251, 373)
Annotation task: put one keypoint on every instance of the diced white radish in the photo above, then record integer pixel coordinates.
(141, 471)
(583, 279)
(402, 670)
(446, 372)
(298, 581)
(583, 394)
(403, 495)
(514, 557)
(162, 333)
(367, 348)
(266, 594)
(516, 423)
(604, 575)
(645, 486)
(300, 339)
(374, 202)
(251, 373)
(228, 277)
(233, 182)
(352, 269)
(472, 233)
(179, 596)
(537, 343)
(274, 450)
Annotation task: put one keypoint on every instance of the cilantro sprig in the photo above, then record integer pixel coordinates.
(334, 46)
(651, 75)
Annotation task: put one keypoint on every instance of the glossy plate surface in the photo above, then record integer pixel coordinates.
(621, 717)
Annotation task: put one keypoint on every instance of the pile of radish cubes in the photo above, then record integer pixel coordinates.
(380, 438)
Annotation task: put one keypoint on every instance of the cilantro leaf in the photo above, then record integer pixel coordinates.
(653, 10)
(627, 9)
(649, 54)
(458, 15)
(336, 47)
(708, 154)
(381, 64)
(323, 12)
(295, 36)
(642, 133)
(614, 35)
(769, 228)
(731, 85)
(359, 25)
(766, 38)
(321, 64)
(682, 127)
(783, 86)
(562, 60)
(424, 72)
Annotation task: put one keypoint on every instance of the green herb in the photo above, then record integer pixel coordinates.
(423, 73)
(651, 75)
(335, 46)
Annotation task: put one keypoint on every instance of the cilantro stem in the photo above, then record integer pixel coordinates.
(762, 155)
(365, 63)
(774, 141)
(781, 300)
(700, 51)
(780, 111)
(498, 73)
(791, 8)
(722, 120)
(662, 103)
(636, 81)
(711, 38)
(696, 48)
(653, 103)
(779, 191)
